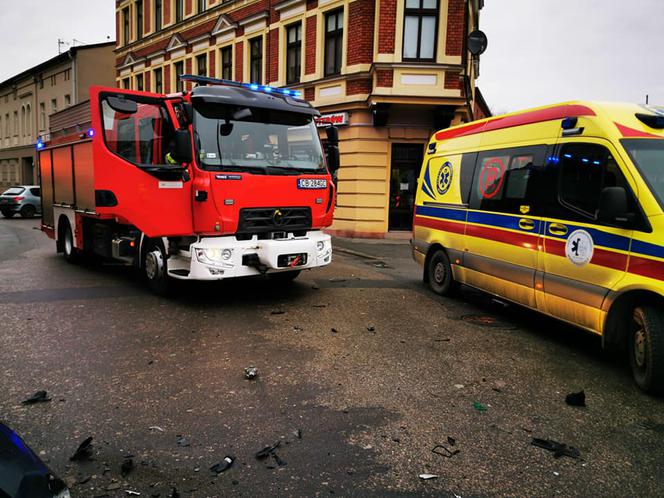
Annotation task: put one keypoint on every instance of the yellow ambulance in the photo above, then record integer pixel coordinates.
(559, 209)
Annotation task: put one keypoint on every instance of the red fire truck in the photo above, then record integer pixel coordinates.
(227, 180)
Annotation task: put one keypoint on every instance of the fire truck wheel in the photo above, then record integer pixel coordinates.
(646, 348)
(439, 274)
(70, 252)
(155, 269)
(284, 276)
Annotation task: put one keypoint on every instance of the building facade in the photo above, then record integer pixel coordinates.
(387, 72)
(28, 99)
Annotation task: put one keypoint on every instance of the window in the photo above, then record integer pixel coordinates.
(178, 70)
(293, 53)
(36, 191)
(504, 179)
(158, 81)
(126, 84)
(7, 125)
(157, 15)
(54, 80)
(139, 19)
(334, 35)
(227, 62)
(16, 123)
(139, 82)
(179, 10)
(54, 105)
(126, 34)
(140, 138)
(420, 23)
(201, 6)
(42, 116)
(256, 60)
(41, 84)
(67, 74)
(67, 100)
(648, 156)
(201, 64)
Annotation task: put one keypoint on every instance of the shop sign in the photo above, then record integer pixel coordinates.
(336, 119)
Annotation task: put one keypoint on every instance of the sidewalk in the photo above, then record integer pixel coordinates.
(373, 248)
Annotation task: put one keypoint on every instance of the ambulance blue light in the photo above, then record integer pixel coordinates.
(286, 91)
(297, 94)
(550, 160)
(40, 145)
(568, 156)
(91, 133)
(585, 160)
(253, 87)
(267, 89)
(596, 163)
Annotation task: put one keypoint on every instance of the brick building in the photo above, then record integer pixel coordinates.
(387, 72)
(28, 99)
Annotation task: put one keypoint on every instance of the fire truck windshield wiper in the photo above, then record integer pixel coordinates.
(292, 170)
(237, 167)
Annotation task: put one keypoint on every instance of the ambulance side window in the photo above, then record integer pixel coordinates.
(584, 170)
(504, 179)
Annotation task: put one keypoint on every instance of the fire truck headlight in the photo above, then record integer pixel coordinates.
(227, 254)
(320, 245)
(209, 255)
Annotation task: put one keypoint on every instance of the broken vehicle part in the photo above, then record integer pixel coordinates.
(223, 466)
(38, 397)
(83, 452)
(558, 449)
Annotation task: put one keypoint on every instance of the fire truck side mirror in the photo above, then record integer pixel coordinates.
(183, 146)
(332, 135)
(122, 105)
(333, 162)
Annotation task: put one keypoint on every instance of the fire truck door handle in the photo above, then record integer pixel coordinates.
(201, 196)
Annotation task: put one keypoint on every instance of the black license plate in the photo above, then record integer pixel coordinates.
(292, 260)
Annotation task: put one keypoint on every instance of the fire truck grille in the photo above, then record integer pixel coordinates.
(262, 220)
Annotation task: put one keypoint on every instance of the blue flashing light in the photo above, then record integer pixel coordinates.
(267, 89)
(297, 94)
(253, 87)
(91, 133)
(553, 160)
(596, 163)
(286, 91)
(40, 145)
(585, 160)
(568, 156)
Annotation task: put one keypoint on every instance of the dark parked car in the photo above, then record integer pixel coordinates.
(24, 199)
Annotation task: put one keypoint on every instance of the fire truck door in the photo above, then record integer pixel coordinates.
(134, 156)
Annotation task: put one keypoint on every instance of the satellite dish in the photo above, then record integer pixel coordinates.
(477, 42)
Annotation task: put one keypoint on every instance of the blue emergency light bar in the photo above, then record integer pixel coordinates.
(206, 80)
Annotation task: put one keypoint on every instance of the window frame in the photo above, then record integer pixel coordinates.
(226, 65)
(420, 13)
(294, 46)
(139, 19)
(201, 6)
(179, 11)
(158, 15)
(126, 26)
(158, 82)
(204, 58)
(337, 37)
(140, 86)
(256, 58)
(179, 84)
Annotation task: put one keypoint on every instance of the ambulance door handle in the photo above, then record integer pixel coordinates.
(557, 229)
(526, 224)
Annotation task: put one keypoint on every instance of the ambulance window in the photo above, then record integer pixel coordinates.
(504, 179)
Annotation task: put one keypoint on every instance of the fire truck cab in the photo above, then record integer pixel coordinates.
(227, 180)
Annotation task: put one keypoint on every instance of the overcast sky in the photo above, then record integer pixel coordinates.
(540, 51)
(548, 51)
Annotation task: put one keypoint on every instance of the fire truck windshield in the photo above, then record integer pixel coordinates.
(264, 141)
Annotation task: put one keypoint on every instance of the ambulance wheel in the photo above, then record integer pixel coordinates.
(439, 274)
(71, 254)
(155, 269)
(646, 348)
(284, 276)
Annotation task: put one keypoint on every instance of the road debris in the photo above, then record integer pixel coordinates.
(499, 385)
(129, 492)
(320, 305)
(298, 433)
(479, 407)
(427, 477)
(297, 328)
(127, 466)
(277, 312)
(444, 451)
(451, 441)
(183, 441)
(155, 428)
(558, 449)
(38, 397)
(83, 452)
(459, 386)
(113, 486)
(271, 451)
(576, 399)
(250, 373)
(334, 331)
(371, 328)
(223, 466)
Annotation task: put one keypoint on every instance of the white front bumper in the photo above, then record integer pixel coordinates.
(216, 258)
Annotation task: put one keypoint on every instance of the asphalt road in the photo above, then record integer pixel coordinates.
(362, 372)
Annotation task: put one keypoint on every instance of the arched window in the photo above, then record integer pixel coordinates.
(28, 121)
(22, 132)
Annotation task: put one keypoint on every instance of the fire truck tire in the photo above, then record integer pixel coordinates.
(28, 211)
(8, 214)
(646, 348)
(71, 254)
(284, 276)
(155, 269)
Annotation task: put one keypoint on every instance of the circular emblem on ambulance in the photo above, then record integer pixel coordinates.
(444, 180)
(580, 247)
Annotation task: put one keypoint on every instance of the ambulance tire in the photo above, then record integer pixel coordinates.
(155, 268)
(71, 254)
(646, 349)
(439, 274)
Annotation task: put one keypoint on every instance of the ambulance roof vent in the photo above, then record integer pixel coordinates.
(653, 120)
